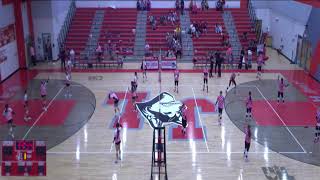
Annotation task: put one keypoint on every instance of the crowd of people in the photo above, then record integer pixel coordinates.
(198, 28)
(174, 43)
(143, 5)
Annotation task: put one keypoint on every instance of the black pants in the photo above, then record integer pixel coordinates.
(219, 70)
(63, 63)
(215, 68)
(210, 71)
(240, 65)
(246, 146)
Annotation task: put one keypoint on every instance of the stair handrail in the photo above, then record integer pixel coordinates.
(253, 18)
(67, 22)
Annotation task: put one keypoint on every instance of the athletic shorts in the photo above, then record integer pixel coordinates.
(249, 110)
(116, 102)
(317, 128)
(184, 123)
(259, 68)
(118, 143)
(247, 146)
(205, 80)
(10, 121)
(220, 110)
(280, 94)
(25, 103)
(176, 83)
(43, 96)
(134, 98)
(67, 84)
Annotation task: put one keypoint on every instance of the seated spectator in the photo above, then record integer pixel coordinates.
(204, 26)
(138, 5)
(177, 5)
(219, 5)
(193, 7)
(204, 5)
(121, 60)
(170, 54)
(245, 36)
(147, 49)
(148, 5)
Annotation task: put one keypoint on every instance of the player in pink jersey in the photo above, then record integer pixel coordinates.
(260, 62)
(8, 114)
(205, 78)
(176, 80)
(247, 141)
(43, 93)
(184, 118)
(26, 106)
(117, 141)
(317, 133)
(249, 105)
(113, 95)
(68, 82)
(281, 86)
(220, 103)
(232, 80)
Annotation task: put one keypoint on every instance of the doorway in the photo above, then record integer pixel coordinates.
(47, 48)
(304, 53)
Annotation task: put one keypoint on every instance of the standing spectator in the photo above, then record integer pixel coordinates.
(147, 49)
(99, 52)
(62, 57)
(249, 58)
(211, 66)
(182, 6)
(219, 62)
(148, 5)
(33, 55)
(138, 5)
(72, 56)
(242, 53)
(229, 55)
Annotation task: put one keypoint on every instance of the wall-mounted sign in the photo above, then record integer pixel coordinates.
(7, 35)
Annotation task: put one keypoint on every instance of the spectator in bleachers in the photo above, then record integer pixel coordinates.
(170, 54)
(193, 7)
(245, 36)
(138, 5)
(182, 6)
(229, 55)
(178, 49)
(148, 5)
(204, 5)
(62, 57)
(204, 26)
(177, 5)
(249, 58)
(241, 60)
(33, 55)
(72, 56)
(211, 65)
(218, 29)
(220, 4)
(99, 52)
(147, 49)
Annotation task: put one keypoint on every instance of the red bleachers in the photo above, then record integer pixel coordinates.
(80, 29)
(210, 41)
(243, 24)
(157, 38)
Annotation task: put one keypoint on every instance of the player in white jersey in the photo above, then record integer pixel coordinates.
(113, 95)
(43, 93)
(205, 78)
(26, 106)
(184, 121)
(68, 82)
(176, 80)
(117, 141)
(8, 114)
(144, 69)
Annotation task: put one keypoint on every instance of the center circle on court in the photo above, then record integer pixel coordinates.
(285, 128)
(65, 115)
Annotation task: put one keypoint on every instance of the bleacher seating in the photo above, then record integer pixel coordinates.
(157, 38)
(79, 30)
(210, 41)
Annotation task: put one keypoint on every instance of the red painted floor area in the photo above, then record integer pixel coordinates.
(291, 113)
(56, 115)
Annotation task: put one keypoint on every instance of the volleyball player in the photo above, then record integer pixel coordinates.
(68, 82)
(144, 68)
(317, 133)
(249, 105)
(26, 106)
(260, 62)
(176, 80)
(117, 141)
(184, 118)
(281, 86)
(135, 82)
(113, 95)
(247, 141)
(220, 104)
(43, 93)
(205, 78)
(134, 99)
(8, 114)
(232, 80)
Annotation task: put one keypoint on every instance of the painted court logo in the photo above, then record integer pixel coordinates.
(161, 111)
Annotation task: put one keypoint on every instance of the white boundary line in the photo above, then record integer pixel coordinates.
(204, 135)
(125, 96)
(281, 120)
(177, 152)
(39, 117)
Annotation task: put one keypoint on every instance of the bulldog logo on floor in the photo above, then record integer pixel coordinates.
(161, 111)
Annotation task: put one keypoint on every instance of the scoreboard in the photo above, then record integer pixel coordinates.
(23, 158)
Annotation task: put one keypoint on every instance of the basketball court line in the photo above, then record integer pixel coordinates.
(178, 152)
(281, 120)
(204, 135)
(39, 117)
